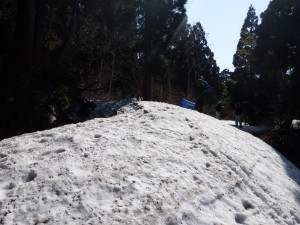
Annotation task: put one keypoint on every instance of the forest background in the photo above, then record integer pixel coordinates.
(55, 53)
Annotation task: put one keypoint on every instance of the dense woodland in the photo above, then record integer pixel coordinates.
(54, 53)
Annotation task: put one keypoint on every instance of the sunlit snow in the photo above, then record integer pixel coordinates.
(153, 163)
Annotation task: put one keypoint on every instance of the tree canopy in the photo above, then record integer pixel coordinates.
(266, 74)
(52, 53)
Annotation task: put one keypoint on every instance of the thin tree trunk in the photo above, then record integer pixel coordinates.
(100, 74)
(147, 84)
(39, 29)
(112, 69)
(169, 87)
(69, 30)
(190, 69)
(189, 79)
(24, 34)
(147, 89)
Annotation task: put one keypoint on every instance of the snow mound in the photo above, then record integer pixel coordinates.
(153, 163)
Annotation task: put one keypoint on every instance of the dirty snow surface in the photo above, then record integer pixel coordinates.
(153, 163)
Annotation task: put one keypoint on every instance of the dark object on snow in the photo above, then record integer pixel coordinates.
(88, 109)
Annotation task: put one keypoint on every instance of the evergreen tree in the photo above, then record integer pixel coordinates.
(194, 58)
(242, 87)
(160, 23)
(242, 58)
(277, 59)
(54, 52)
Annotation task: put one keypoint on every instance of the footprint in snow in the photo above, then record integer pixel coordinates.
(58, 151)
(31, 176)
(240, 218)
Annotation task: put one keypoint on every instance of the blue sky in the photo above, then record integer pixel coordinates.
(222, 21)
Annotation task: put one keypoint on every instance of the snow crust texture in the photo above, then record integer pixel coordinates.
(153, 163)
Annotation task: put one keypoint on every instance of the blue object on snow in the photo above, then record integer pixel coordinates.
(187, 104)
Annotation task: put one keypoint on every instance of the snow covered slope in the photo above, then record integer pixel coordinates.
(153, 163)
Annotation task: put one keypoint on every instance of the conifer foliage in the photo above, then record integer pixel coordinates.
(241, 86)
(277, 60)
(52, 53)
(266, 78)
(266, 74)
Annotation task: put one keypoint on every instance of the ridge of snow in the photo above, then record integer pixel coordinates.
(153, 163)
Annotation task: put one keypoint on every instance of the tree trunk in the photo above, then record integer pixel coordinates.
(69, 29)
(100, 75)
(24, 35)
(147, 95)
(169, 87)
(113, 66)
(189, 78)
(190, 69)
(147, 88)
(40, 19)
